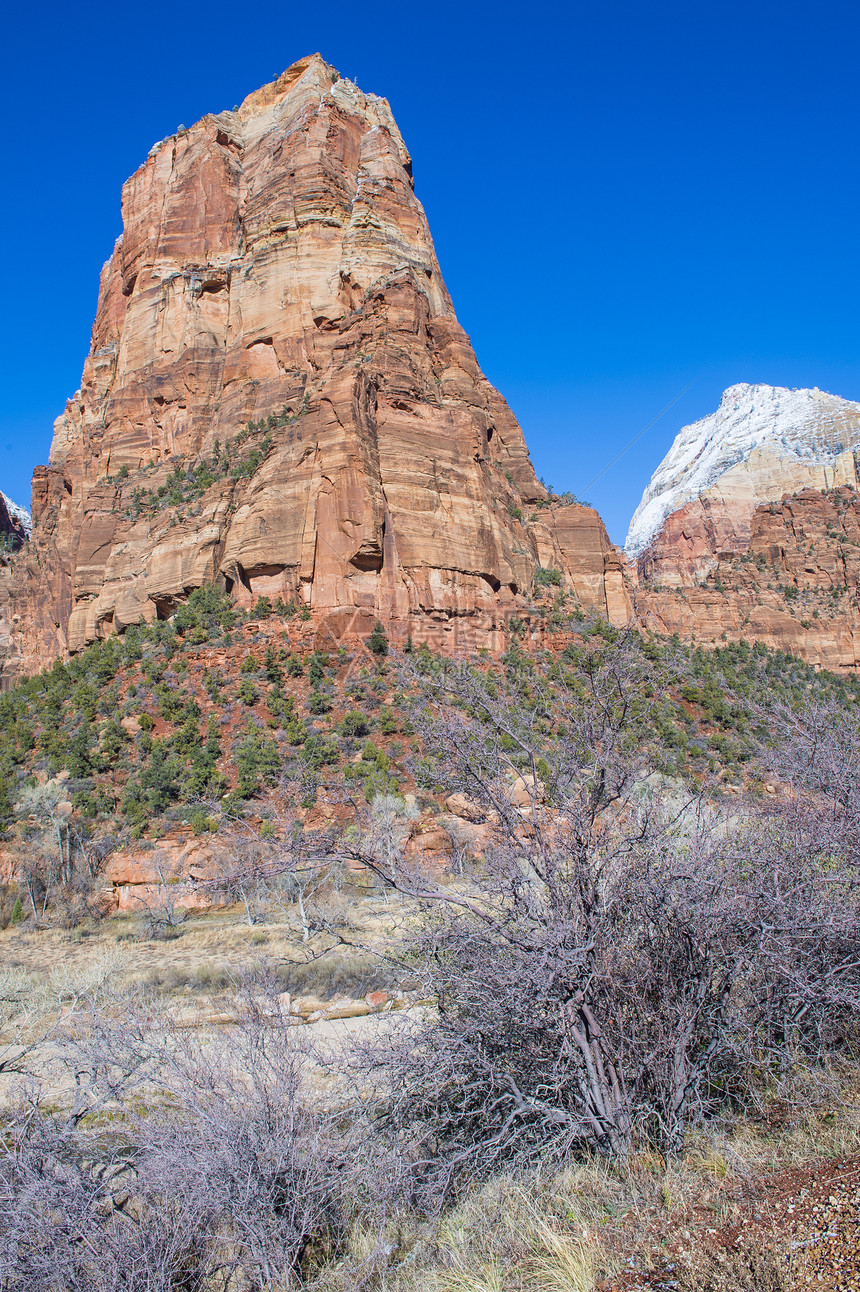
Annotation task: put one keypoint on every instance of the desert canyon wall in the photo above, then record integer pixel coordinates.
(279, 398)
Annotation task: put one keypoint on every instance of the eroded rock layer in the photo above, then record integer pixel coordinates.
(748, 528)
(278, 397)
(795, 585)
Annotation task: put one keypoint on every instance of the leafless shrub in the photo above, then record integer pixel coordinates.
(162, 911)
(56, 863)
(179, 1165)
(816, 751)
(330, 908)
(619, 970)
(69, 1220)
(282, 868)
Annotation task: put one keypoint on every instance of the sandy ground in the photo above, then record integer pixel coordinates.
(195, 979)
(809, 1215)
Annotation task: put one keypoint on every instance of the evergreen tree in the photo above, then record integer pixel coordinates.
(295, 668)
(272, 666)
(247, 692)
(377, 642)
(258, 761)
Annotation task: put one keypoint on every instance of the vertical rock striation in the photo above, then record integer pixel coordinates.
(278, 397)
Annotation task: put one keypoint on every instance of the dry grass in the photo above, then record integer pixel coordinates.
(539, 1233)
(564, 1232)
(567, 1231)
(206, 953)
(484, 1278)
(509, 1235)
(560, 1263)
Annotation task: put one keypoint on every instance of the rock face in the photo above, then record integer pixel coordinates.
(278, 397)
(750, 527)
(16, 525)
(795, 586)
(762, 443)
(574, 540)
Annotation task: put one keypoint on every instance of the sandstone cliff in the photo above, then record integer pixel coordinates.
(762, 443)
(749, 527)
(794, 586)
(279, 398)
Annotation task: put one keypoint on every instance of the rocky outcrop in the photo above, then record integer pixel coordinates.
(795, 584)
(762, 443)
(279, 398)
(748, 527)
(35, 587)
(573, 539)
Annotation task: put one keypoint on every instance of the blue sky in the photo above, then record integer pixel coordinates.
(625, 197)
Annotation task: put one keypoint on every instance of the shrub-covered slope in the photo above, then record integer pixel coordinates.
(184, 723)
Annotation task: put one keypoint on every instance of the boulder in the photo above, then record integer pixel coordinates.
(524, 792)
(430, 839)
(466, 808)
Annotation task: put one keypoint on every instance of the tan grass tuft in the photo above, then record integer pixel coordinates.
(484, 1278)
(560, 1263)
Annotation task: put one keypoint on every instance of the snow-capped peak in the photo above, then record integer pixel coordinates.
(795, 424)
(19, 515)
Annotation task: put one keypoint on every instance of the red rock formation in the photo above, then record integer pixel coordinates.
(795, 586)
(574, 540)
(748, 527)
(276, 268)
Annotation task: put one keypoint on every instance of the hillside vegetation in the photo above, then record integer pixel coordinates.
(640, 943)
(188, 722)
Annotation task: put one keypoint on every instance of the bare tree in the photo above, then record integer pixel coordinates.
(162, 910)
(610, 972)
(281, 866)
(57, 864)
(214, 1169)
(818, 745)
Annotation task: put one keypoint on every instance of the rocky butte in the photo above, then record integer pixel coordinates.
(279, 398)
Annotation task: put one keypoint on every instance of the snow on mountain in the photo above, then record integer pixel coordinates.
(18, 514)
(795, 425)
